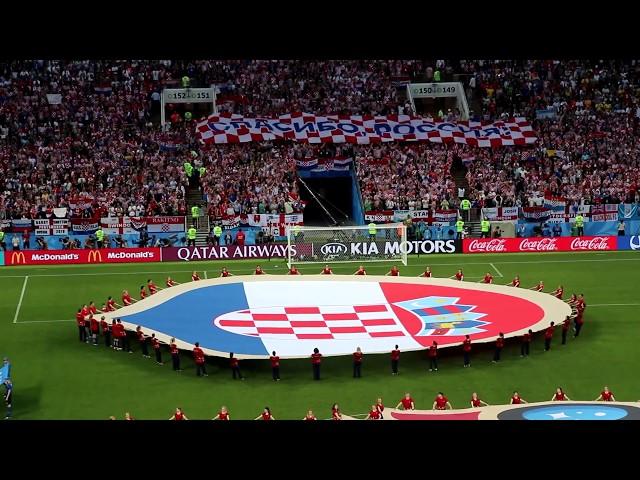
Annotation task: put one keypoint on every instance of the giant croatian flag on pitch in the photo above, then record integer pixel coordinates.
(362, 129)
(294, 317)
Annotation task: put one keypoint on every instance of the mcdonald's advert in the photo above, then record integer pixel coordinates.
(58, 257)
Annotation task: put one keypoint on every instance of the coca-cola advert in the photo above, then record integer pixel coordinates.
(539, 244)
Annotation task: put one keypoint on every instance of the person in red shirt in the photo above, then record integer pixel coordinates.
(126, 298)
(155, 344)
(427, 273)
(515, 282)
(394, 272)
(526, 343)
(357, 363)
(143, 292)
(579, 321)
(275, 366)
(566, 324)
(433, 356)
(240, 238)
(198, 357)
(335, 412)
(406, 402)
(441, 402)
(80, 322)
(539, 287)
(265, 415)
(309, 416)
(87, 327)
(179, 415)
(466, 351)
(175, 355)
(548, 336)
(115, 335)
(606, 396)
(326, 270)
(124, 338)
(360, 271)
(572, 300)
(516, 399)
(294, 271)
(380, 407)
(259, 271)
(223, 414)
(559, 396)
(316, 358)
(395, 359)
(499, 347)
(459, 275)
(558, 292)
(225, 273)
(110, 305)
(374, 414)
(142, 340)
(476, 402)
(152, 287)
(106, 332)
(170, 282)
(195, 277)
(235, 367)
(92, 308)
(488, 278)
(94, 325)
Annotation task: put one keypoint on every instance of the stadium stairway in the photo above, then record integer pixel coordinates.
(194, 197)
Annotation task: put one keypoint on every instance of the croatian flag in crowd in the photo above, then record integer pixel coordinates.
(557, 204)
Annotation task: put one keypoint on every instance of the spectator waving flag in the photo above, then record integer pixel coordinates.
(557, 204)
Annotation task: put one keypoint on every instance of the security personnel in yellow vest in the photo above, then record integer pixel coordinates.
(100, 237)
(485, 227)
(195, 213)
(188, 116)
(217, 233)
(465, 205)
(202, 171)
(188, 168)
(3, 244)
(459, 228)
(373, 229)
(186, 82)
(580, 225)
(191, 236)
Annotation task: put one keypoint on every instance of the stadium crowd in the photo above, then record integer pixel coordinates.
(86, 134)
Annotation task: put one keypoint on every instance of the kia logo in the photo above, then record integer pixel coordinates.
(634, 242)
(333, 248)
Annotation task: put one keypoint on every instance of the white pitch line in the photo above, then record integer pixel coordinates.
(613, 305)
(24, 288)
(43, 321)
(205, 275)
(497, 271)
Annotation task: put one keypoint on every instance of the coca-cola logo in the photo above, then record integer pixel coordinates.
(495, 245)
(538, 245)
(595, 243)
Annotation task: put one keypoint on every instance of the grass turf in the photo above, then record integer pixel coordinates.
(57, 377)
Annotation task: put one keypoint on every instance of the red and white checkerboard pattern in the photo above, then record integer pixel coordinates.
(362, 129)
(314, 323)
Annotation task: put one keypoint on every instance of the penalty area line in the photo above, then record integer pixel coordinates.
(24, 288)
(614, 305)
(497, 271)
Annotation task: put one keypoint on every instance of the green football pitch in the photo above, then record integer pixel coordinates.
(57, 377)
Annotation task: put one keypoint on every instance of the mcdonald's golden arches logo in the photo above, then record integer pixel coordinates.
(95, 256)
(17, 258)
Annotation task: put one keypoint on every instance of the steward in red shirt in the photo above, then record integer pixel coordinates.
(476, 402)
(433, 356)
(226, 273)
(106, 332)
(142, 340)
(606, 396)
(175, 355)
(326, 270)
(558, 292)
(143, 292)
(441, 402)
(459, 275)
(80, 322)
(198, 357)
(394, 272)
(374, 414)
(335, 412)
(565, 329)
(293, 270)
(179, 415)
(559, 396)
(360, 271)
(265, 415)
(395, 358)
(548, 336)
(525, 344)
(195, 277)
(95, 329)
(275, 366)
(111, 305)
(466, 350)
(499, 347)
(380, 407)
(152, 287)
(155, 344)
(223, 414)
(516, 399)
(316, 358)
(310, 416)
(259, 271)
(126, 298)
(488, 278)
(357, 363)
(427, 273)
(235, 367)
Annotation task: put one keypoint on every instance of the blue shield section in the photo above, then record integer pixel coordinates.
(189, 317)
(575, 412)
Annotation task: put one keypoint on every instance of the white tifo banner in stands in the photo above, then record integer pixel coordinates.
(500, 214)
(362, 129)
(128, 225)
(274, 223)
(51, 226)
